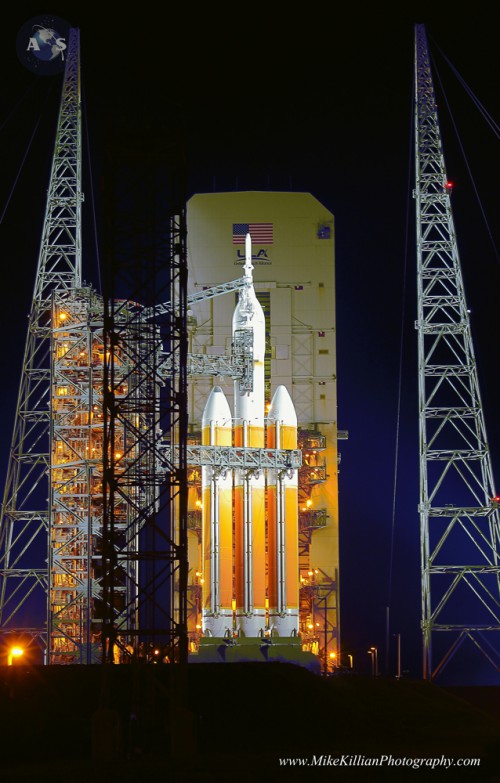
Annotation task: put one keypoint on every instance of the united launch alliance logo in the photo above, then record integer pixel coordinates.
(41, 44)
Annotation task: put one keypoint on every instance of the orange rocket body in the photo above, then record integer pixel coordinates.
(282, 503)
(217, 524)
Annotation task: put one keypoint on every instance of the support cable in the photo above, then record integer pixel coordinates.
(21, 166)
(30, 142)
(469, 170)
(475, 100)
(92, 199)
(401, 343)
(21, 100)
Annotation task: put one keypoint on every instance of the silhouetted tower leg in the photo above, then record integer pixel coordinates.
(459, 519)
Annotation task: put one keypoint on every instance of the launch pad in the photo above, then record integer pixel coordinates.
(227, 649)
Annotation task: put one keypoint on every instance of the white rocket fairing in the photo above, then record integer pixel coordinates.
(217, 522)
(249, 488)
(283, 534)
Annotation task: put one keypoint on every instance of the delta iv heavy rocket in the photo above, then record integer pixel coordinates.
(262, 599)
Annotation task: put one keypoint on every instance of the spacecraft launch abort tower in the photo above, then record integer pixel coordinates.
(263, 540)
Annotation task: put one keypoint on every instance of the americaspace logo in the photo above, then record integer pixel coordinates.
(41, 44)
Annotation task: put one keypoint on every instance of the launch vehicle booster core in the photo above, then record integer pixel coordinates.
(249, 486)
(283, 536)
(217, 524)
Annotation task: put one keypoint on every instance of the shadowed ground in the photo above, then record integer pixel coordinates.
(234, 722)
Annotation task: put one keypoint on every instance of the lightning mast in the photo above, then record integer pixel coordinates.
(24, 522)
(459, 517)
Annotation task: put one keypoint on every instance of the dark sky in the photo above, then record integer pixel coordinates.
(317, 102)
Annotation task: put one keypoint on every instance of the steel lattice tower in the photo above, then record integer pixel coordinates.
(24, 520)
(459, 518)
(93, 527)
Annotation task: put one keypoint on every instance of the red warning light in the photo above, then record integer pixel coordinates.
(449, 186)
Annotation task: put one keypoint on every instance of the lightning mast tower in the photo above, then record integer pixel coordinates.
(459, 517)
(24, 524)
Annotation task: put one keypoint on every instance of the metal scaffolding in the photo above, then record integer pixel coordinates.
(144, 543)
(75, 477)
(459, 518)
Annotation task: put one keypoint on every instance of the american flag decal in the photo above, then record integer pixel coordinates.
(261, 233)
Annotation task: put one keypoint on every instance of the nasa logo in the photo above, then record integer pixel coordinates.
(41, 43)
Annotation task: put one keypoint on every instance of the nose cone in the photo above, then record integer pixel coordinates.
(248, 312)
(217, 409)
(282, 407)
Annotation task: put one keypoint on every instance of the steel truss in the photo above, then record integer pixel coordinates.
(459, 517)
(25, 516)
(229, 457)
(239, 365)
(144, 542)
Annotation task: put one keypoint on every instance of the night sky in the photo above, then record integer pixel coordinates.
(269, 100)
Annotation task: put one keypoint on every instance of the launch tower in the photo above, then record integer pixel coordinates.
(459, 517)
(93, 520)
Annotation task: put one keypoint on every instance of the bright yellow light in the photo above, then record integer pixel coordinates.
(310, 626)
(309, 503)
(62, 316)
(14, 652)
(333, 655)
(118, 455)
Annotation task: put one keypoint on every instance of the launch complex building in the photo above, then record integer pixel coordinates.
(172, 482)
